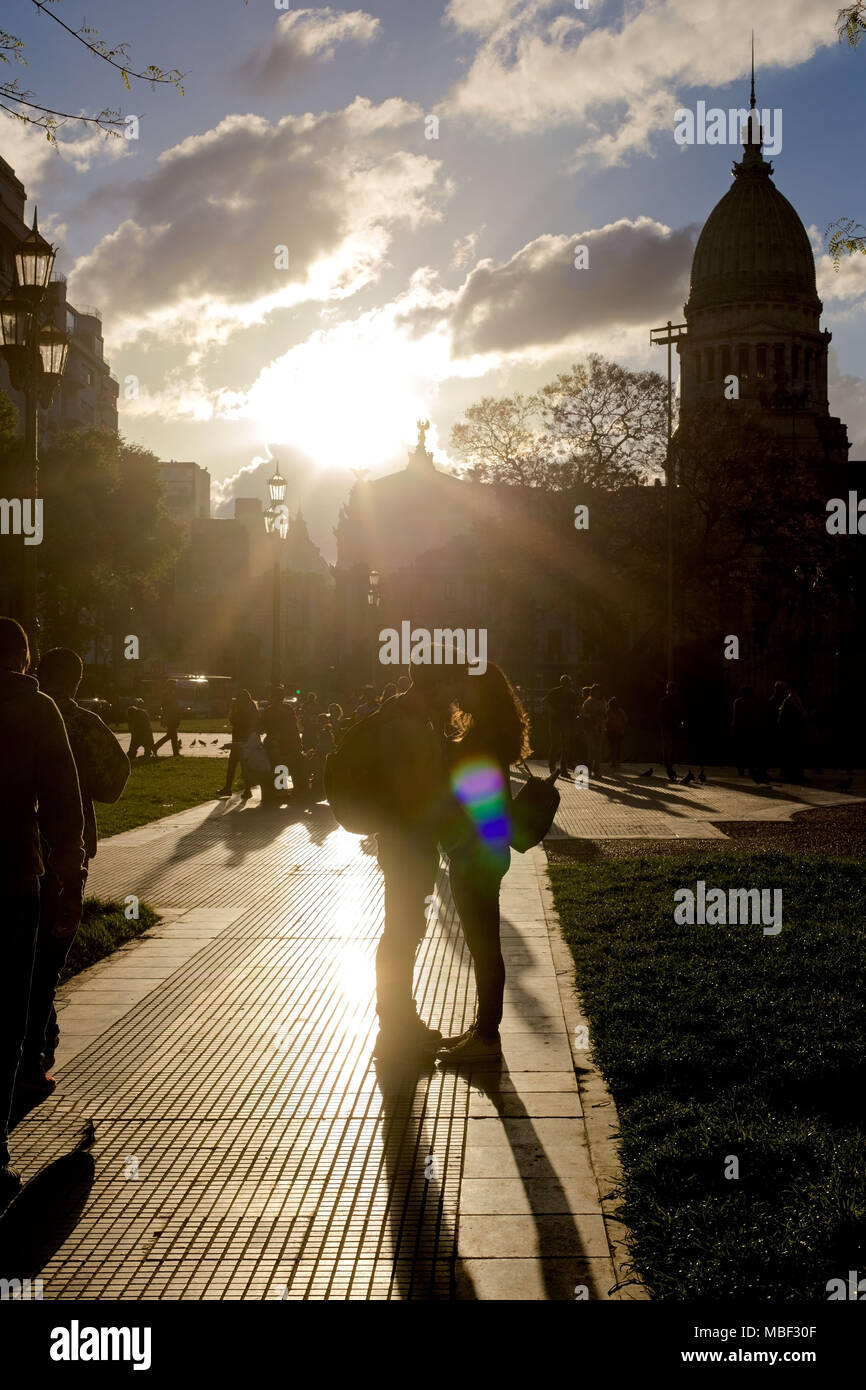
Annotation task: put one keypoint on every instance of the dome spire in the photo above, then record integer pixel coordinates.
(752, 96)
(753, 160)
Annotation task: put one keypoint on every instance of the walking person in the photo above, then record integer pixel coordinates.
(170, 715)
(593, 716)
(494, 734)
(561, 704)
(103, 770)
(41, 823)
(615, 724)
(309, 721)
(243, 719)
(140, 731)
(283, 743)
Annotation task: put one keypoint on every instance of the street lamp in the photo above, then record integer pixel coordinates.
(35, 351)
(668, 335)
(374, 598)
(276, 525)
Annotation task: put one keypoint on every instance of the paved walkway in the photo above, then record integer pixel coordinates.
(246, 1144)
(628, 806)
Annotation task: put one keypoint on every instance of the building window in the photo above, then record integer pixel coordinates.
(698, 368)
(795, 362)
(807, 364)
(726, 362)
(708, 363)
(779, 361)
(761, 363)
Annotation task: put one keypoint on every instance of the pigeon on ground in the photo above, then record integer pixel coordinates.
(648, 773)
(214, 740)
(702, 777)
(88, 1137)
(689, 777)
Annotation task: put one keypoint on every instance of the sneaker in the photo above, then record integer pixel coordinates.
(458, 1037)
(474, 1048)
(35, 1081)
(407, 1036)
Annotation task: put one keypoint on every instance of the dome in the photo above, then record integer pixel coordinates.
(753, 245)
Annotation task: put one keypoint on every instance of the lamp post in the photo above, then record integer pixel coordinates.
(374, 598)
(670, 334)
(276, 525)
(35, 351)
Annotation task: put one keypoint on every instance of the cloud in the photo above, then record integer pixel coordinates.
(538, 67)
(200, 253)
(637, 272)
(306, 35)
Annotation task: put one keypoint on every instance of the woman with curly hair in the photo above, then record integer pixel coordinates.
(493, 733)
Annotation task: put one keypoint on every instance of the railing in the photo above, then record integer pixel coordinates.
(88, 310)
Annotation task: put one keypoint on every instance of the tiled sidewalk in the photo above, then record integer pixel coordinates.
(246, 1144)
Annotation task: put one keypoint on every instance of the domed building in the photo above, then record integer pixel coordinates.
(753, 313)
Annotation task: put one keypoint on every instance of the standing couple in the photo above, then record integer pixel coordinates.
(438, 756)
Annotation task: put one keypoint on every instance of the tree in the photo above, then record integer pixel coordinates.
(849, 237)
(606, 423)
(597, 425)
(23, 105)
(108, 541)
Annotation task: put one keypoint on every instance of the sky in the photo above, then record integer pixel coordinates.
(353, 218)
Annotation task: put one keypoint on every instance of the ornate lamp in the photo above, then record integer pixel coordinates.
(34, 261)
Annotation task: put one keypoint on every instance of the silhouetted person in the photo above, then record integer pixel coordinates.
(103, 770)
(140, 731)
(283, 743)
(309, 721)
(616, 720)
(792, 733)
(494, 735)
(670, 723)
(748, 733)
(561, 704)
(413, 772)
(40, 814)
(593, 715)
(170, 715)
(243, 719)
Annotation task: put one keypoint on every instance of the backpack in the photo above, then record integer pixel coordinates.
(355, 778)
(533, 810)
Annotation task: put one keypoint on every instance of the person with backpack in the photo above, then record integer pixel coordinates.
(103, 771)
(388, 777)
(170, 713)
(493, 734)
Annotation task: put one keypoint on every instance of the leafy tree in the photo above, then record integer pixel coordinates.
(597, 425)
(108, 541)
(23, 105)
(849, 237)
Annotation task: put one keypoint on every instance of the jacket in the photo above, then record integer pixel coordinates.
(102, 765)
(39, 791)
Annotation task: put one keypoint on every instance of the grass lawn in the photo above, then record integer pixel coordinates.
(161, 789)
(719, 1042)
(103, 928)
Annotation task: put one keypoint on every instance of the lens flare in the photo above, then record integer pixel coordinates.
(479, 785)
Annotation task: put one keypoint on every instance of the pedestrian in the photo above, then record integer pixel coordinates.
(593, 716)
(170, 715)
(792, 733)
(41, 825)
(140, 731)
(309, 721)
(243, 719)
(103, 770)
(562, 706)
(336, 713)
(748, 732)
(615, 725)
(325, 744)
(670, 724)
(283, 744)
(493, 734)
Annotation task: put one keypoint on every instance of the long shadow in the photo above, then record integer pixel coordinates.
(548, 1209)
(422, 1237)
(44, 1215)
